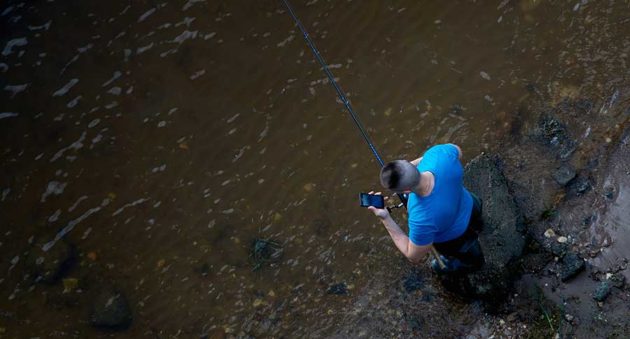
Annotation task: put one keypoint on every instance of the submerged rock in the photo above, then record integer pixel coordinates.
(602, 291)
(564, 175)
(571, 266)
(617, 280)
(502, 238)
(553, 134)
(110, 310)
(51, 265)
(338, 289)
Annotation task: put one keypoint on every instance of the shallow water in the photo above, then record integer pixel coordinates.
(162, 138)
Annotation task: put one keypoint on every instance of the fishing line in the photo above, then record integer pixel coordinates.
(340, 93)
(355, 118)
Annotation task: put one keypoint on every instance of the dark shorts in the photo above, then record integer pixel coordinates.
(466, 247)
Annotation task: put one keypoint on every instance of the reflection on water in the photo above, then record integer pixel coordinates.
(161, 138)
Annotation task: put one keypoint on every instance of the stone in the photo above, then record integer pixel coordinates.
(502, 239)
(110, 310)
(618, 280)
(564, 174)
(562, 239)
(559, 249)
(51, 265)
(553, 134)
(602, 291)
(571, 266)
(338, 289)
(549, 233)
(581, 185)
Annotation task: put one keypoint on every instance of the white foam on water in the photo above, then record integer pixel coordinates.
(63, 90)
(75, 146)
(7, 11)
(45, 26)
(187, 21)
(198, 74)
(115, 90)
(185, 36)
(18, 42)
(131, 204)
(72, 224)
(15, 89)
(76, 203)
(170, 51)
(143, 49)
(5, 193)
(111, 105)
(53, 188)
(55, 216)
(285, 41)
(93, 123)
(73, 102)
(191, 3)
(146, 14)
(115, 76)
(5, 115)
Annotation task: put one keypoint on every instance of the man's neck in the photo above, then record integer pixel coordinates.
(425, 186)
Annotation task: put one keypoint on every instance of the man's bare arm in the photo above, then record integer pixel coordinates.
(411, 251)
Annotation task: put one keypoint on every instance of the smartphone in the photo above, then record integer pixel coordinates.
(371, 200)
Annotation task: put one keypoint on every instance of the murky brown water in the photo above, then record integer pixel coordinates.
(162, 138)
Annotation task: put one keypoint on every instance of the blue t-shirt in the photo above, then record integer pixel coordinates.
(444, 214)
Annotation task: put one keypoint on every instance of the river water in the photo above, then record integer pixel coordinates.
(162, 138)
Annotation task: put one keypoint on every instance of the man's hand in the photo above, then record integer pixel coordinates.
(381, 213)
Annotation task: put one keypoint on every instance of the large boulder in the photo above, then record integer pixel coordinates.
(502, 239)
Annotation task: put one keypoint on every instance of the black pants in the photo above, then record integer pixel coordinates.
(466, 247)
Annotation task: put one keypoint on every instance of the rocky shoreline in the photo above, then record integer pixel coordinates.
(576, 257)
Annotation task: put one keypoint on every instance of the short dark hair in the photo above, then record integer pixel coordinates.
(399, 175)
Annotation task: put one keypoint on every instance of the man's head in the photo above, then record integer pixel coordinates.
(400, 176)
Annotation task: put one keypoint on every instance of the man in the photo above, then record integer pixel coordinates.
(442, 213)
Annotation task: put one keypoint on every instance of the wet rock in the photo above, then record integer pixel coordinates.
(564, 174)
(50, 266)
(553, 134)
(338, 289)
(571, 266)
(617, 280)
(602, 291)
(581, 185)
(558, 249)
(501, 239)
(110, 310)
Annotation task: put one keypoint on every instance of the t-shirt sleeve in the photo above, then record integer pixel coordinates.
(451, 150)
(421, 234)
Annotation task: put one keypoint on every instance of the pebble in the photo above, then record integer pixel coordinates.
(549, 233)
(562, 239)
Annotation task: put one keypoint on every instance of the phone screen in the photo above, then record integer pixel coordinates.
(371, 200)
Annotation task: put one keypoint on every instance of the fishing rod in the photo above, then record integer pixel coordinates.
(340, 93)
(355, 118)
